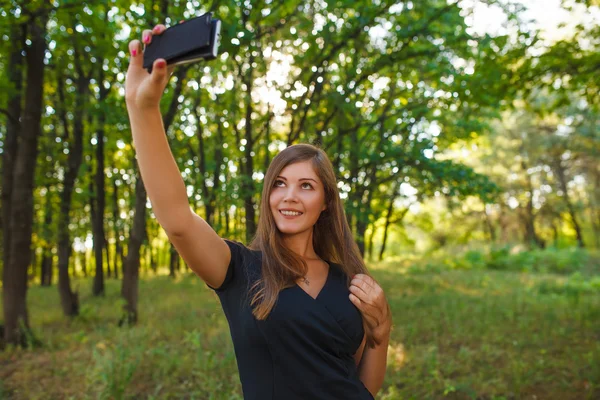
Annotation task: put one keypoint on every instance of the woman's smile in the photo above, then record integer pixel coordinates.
(290, 214)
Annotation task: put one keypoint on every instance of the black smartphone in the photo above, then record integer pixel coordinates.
(192, 40)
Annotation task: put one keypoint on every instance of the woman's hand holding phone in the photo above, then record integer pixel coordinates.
(144, 90)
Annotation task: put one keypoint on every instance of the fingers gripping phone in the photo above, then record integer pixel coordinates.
(187, 42)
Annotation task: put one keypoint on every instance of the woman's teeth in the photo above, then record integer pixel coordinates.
(291, 213)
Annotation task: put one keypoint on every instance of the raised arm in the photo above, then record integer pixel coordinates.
(195, 240)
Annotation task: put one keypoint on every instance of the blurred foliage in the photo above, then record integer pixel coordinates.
(412, 105)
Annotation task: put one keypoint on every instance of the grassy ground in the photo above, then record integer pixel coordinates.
(458, 334)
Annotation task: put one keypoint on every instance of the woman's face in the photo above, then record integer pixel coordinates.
(300, 194)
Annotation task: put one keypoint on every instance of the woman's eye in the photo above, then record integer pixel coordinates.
(280, 183)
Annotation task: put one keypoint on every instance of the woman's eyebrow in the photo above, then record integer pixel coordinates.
(301, 179)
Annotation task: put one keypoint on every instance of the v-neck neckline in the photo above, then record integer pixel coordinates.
(322, 287)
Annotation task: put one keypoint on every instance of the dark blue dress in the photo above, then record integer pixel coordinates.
(305, 348)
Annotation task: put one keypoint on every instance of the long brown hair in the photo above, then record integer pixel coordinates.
(332, 238)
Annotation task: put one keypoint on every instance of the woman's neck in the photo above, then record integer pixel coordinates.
(302, 244)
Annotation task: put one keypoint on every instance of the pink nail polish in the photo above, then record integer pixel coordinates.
(146, 39)
(134, 52)
(160, 63)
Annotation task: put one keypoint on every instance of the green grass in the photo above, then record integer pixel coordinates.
(458, 334)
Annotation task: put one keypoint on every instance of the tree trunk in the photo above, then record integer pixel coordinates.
(98, 283)
(226, 217)
(217, 172)
(208, 195)
(173, 263)
(366, 211)
(489, 225)
(46, 263)
(70, 300)
(226, 208)
(560, 172)
(84, 263)
(248, 159)
(173, 260)
(109, 271)
(99, 234)
(33, 263)
(21, 207)
(267, 142)
(129, 289)
(370, 242)
(117, 232)
(555, 234)
(531, 236)
(503, 222)
(352, 203)
(15, 69)
(337, 161)
(388, 217)
(218, 220)
(248, 195)
(361, 228)
(153, 259)
(46, 268)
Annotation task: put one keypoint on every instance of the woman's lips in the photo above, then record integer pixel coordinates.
(290, 216)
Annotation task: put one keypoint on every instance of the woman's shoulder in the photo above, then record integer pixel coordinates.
(243, 267)
(241, 251)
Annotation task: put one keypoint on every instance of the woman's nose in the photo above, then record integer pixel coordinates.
(290, 195)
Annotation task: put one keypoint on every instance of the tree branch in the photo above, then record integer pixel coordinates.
(10, 117)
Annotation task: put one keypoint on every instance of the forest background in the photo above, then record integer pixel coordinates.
(465, 138)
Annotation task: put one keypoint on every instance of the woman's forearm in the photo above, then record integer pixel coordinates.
(160, 173)
(373, 365)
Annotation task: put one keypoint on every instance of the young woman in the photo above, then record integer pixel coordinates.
(306, 319)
